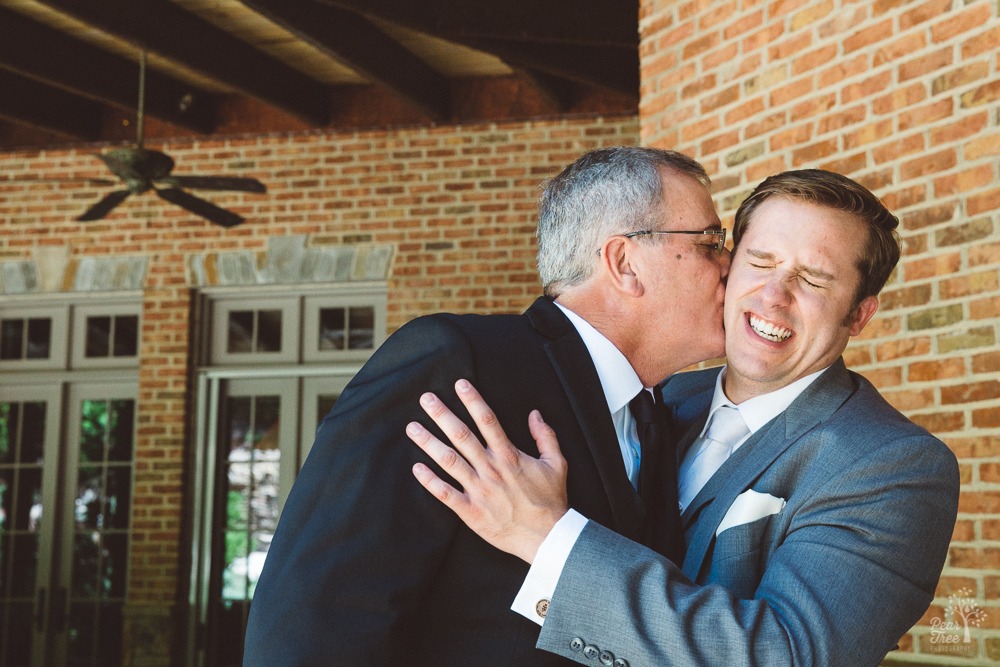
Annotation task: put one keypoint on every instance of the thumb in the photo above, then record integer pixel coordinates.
(545, 438)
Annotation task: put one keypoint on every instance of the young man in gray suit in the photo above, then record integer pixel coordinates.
(816, 528)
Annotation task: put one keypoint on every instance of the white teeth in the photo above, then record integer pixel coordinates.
(768, 330)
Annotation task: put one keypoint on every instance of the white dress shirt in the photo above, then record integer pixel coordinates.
(540, 584)
(620, 385)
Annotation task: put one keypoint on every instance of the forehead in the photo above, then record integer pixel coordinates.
(687, 204)
(802, 229)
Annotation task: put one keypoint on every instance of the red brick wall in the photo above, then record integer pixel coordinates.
(457, 203)
(905, 97)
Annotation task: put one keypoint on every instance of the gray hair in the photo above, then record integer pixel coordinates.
(605, 192)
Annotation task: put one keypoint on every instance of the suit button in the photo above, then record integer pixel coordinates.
(576, 644)
(607, 658)
(620, 662)
(590, 651)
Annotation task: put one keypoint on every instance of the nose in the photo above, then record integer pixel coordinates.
(775, 291)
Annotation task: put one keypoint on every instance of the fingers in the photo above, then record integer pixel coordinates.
(446, 493)
(457, 431)
(442, 454)
(487, 423)
(545, 440)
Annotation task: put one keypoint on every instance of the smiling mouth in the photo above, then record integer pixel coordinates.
(769, 331)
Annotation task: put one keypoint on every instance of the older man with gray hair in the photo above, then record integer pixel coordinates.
(366, 568)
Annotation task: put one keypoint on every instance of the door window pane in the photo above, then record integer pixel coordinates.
(33, 432)
(98, 336)
(362, 328)
(126, 336)
(332, 325)
(254, 331)
(347, 328)
(250, 491)
(25, 338)
(120, 430)
(10, 418)
(268, 331)
(112, 336)
(28, 501)
(240, 331)
(101, 537)
(21, 434)
(39, 337)
(23, 565)
(11, 339)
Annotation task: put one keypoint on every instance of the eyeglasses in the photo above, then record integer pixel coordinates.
(720, 234)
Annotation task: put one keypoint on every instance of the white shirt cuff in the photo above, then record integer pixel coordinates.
(532, 600)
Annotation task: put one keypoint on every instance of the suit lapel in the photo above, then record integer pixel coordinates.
(703, 516)
(578, 376)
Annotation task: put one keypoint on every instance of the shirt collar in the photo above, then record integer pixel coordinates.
(618, 379)
(759, 410)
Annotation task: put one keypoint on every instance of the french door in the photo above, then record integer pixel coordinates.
(66, 463)
(257, 432)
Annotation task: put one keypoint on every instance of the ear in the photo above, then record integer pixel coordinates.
(618, 265)
(866, 309)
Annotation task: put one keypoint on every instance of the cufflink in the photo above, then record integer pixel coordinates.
(542, 607)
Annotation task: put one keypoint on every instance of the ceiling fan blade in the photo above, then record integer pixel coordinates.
(104, 206)
(216, 183)
(83, 179)
(200, 207)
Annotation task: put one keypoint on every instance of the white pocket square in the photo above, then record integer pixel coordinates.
(750, 506)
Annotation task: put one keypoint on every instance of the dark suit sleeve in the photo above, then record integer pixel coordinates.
(359, 540)
(855, 570)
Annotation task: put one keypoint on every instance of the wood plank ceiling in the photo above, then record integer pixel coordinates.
(69, 72)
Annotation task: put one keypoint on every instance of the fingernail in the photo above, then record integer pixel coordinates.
(413, 428)
(427, 399)
(463, 386)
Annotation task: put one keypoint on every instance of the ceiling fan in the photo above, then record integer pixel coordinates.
(142, 169)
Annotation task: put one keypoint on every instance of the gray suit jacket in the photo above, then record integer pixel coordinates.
(836, 577)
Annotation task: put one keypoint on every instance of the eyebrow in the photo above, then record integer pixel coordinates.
(817, 273)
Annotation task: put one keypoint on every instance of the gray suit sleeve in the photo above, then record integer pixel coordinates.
(855, 569)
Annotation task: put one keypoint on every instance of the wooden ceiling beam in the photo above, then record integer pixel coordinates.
(39, 52)
(170, 32)
(28, 102)
(356, 42)
(542, 35)
(557, 92)
(605, 67)
(584, 22)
